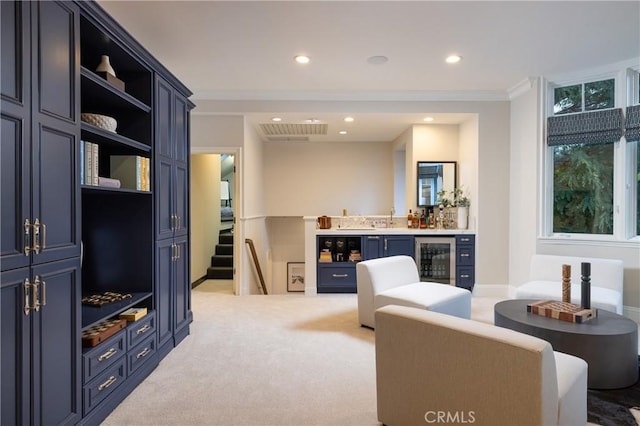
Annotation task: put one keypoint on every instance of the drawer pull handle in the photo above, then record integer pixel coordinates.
(144, 353)
(464, 254)
(465, 240)
(373, 238)
(108, 354)
(340, 275)
(111, 380)
(144, 329)
(464, 276)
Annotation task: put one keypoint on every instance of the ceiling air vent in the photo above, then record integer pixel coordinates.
(289, 129)
(288, 138)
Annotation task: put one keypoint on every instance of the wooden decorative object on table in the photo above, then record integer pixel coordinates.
(566, 283)
(561, 310)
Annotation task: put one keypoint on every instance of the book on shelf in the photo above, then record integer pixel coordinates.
(108, 182)
(89, 153)
(132, 171)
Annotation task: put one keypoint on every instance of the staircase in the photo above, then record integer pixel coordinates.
(222, 261)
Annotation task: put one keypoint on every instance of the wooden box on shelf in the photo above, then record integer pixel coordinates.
(114, 81)
(133, 314)
(101, 332)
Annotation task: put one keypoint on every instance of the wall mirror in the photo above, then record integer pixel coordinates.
(434, 176)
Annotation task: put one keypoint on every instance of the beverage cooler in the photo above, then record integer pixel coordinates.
(436, 259)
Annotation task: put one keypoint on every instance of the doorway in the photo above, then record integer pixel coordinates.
(213, 218)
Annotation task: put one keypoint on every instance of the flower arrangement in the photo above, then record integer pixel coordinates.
(454, 198)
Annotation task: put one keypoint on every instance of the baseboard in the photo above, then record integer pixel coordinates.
(491, 290)
(199, 281)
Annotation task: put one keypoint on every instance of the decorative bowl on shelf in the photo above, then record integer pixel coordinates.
(103, 121)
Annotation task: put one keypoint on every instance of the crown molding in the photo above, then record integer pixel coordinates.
(437, 95)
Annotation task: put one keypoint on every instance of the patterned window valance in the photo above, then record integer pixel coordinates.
(592, 128)
(632, 123)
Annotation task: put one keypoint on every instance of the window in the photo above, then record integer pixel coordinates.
(584, 132)
(584, 97)
(583, 189)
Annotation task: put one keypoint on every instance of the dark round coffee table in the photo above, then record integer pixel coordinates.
(608, 343)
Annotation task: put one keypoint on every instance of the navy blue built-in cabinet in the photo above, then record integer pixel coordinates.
(62, 240)
(173, 285)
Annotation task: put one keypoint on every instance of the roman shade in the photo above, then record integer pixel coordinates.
(632, 123)
(591, 128)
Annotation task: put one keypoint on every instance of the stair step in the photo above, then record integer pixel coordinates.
(225, 239)
(224, 249)
(220, 273)
(222, 260)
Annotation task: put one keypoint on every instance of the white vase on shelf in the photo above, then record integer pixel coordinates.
(105, 66)
(463, 217)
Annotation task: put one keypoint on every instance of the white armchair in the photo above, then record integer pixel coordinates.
(394, 280)
(430, 366)
(545, 280)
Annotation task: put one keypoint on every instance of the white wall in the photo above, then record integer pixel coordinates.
(286, 235)
(251, 208)
(205, 211)
(524, 163)
(430, 142)
(307, 179)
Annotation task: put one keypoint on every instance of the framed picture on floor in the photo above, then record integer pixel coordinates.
(295, 276)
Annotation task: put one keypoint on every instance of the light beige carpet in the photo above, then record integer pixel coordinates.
(265, 360)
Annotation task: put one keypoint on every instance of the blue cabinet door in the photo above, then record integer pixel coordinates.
(395, 245)
(15, 348)
(388, 245)
(41, 353)
(40, 133)
(57, 353)
(182, 291)
(15, 126)
(164, 279)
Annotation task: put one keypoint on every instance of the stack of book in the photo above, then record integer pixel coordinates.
(325, 256)
(89, 163)
(132, 171)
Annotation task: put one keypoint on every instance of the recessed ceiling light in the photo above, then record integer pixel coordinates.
(453, 59)
(427, 119)
(312, 120)
(302, 59)
(377, 60)
(276, 119)
(348, 119)
(342, 132)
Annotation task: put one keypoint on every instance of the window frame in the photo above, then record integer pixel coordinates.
(624, 199)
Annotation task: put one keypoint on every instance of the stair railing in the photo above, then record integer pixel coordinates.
(256, 263)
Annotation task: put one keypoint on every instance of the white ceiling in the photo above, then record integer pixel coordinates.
(237, 56)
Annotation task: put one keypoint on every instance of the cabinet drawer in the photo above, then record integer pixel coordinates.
(465, 240)
(95, 360)
(141, 329)
(465, 277)
(465, 255)
(104, 384)
(137, 355)
(337, 279)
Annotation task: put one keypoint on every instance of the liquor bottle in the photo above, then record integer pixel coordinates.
(423, 220)
(409, 219)
(415, 221)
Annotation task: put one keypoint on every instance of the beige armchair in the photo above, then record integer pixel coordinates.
(441, 369)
